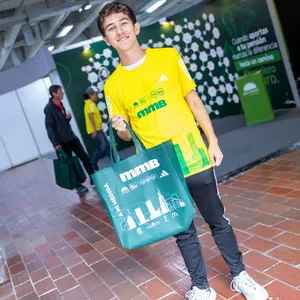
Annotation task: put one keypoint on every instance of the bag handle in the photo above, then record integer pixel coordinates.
(114, 155)
(62, 156)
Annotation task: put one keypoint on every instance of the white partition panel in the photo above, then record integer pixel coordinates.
(15, 131)
(33, 98)
(48, 83)
(5, 162)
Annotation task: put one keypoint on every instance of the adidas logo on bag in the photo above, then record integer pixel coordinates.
(164, 174)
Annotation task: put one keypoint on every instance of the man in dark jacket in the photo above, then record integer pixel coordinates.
(60, 133)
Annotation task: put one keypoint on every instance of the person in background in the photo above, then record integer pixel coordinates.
(60, 133)
(93, 122)
(153, 91)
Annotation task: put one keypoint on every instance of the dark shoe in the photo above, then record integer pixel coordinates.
(82, 189)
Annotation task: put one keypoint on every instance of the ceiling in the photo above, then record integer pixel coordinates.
(28, 25)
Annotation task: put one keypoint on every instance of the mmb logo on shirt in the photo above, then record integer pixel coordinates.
(151, 108)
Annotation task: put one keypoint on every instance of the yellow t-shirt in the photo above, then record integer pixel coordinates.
(91, 107)
(151, 98)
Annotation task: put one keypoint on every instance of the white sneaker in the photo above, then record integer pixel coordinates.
(246, 285)
(197, 294)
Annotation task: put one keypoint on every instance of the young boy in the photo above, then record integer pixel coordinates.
(93, 123)
(153, 91)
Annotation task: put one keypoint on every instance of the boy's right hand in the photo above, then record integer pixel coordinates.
(118, 123)
(58, 147)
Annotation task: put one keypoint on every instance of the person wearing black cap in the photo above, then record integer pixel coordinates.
(93, 122)
(60, 133)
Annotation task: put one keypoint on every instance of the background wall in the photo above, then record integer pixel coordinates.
(218, 41)
(22, 131)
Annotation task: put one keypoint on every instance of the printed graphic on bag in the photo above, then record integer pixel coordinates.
(138, 170)
(141, 216)
(142, 181)
(113, 199)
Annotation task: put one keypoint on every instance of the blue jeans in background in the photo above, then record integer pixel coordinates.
(102, 147)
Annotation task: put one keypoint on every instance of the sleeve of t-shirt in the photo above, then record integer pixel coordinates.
(187, 82)
(90, 108)
(114, 104)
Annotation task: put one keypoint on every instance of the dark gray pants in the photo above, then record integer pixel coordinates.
(203, 188)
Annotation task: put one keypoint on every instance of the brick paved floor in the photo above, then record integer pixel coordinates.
(55, 245)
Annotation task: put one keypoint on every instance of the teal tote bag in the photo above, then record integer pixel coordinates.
(145, 195)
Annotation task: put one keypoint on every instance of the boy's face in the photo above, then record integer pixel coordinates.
(120, 32)
(94, 97)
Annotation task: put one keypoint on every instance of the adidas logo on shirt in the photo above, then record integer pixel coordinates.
(164, 174)
(163, 78)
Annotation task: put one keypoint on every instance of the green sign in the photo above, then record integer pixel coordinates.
(252, 44)
(258, 60)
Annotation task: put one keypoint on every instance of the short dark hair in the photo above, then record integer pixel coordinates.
(54, 89)
(114, 8)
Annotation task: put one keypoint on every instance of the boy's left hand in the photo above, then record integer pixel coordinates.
(215, 154)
